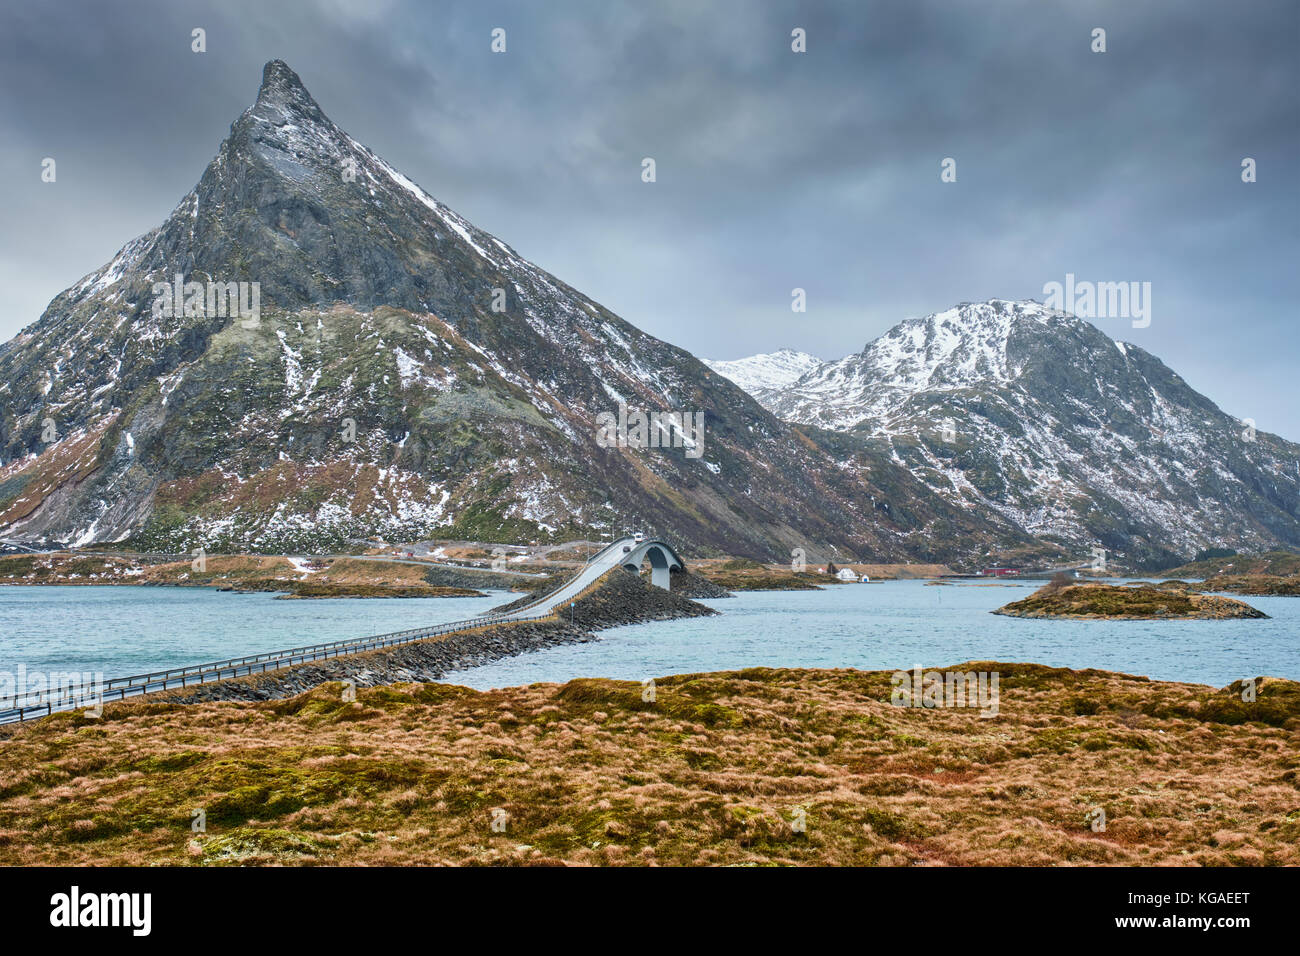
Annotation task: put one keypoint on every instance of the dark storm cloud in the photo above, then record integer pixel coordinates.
(775, 170)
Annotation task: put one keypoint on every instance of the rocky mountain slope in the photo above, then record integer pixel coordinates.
(407, 376)
(1040, 417)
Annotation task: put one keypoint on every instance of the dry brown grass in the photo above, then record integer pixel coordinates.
(714, 771)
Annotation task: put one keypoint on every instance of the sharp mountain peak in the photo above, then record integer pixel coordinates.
(471, 378)
(280, 82)
(283, 98)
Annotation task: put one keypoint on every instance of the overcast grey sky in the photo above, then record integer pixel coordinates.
(775, 169)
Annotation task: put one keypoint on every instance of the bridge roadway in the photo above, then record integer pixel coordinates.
(625, 552)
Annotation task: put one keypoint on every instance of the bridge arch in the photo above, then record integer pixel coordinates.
(663, 560)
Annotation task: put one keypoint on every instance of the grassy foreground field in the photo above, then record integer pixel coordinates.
(750, 767)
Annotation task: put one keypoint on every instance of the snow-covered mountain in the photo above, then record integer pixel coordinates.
(406, 375)
(1070, 435)
(763, 375)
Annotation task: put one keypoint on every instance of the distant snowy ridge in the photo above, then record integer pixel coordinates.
(768, 372)
(1038, 416)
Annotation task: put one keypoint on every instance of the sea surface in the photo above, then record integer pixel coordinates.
(124, 630)
(896, 625)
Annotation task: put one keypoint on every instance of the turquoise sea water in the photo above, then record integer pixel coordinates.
(123, 630)
(119, 631)
(899, 624)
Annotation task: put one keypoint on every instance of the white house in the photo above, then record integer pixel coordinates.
(846, 574)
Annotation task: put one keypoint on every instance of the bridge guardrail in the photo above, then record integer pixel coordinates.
(20, 707)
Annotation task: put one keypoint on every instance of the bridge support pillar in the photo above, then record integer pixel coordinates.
(661, 577)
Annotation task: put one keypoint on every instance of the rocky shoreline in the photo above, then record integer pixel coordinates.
(439, 576)
(620, 598)
(696, 586)
(1252, 585)
(311, 590)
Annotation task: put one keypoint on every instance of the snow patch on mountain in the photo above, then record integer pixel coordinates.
(767, 372)
(1038, 416)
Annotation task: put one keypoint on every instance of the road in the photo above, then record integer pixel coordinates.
(608, 558)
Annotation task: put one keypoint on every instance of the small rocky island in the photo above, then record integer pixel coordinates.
(1134, 602)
